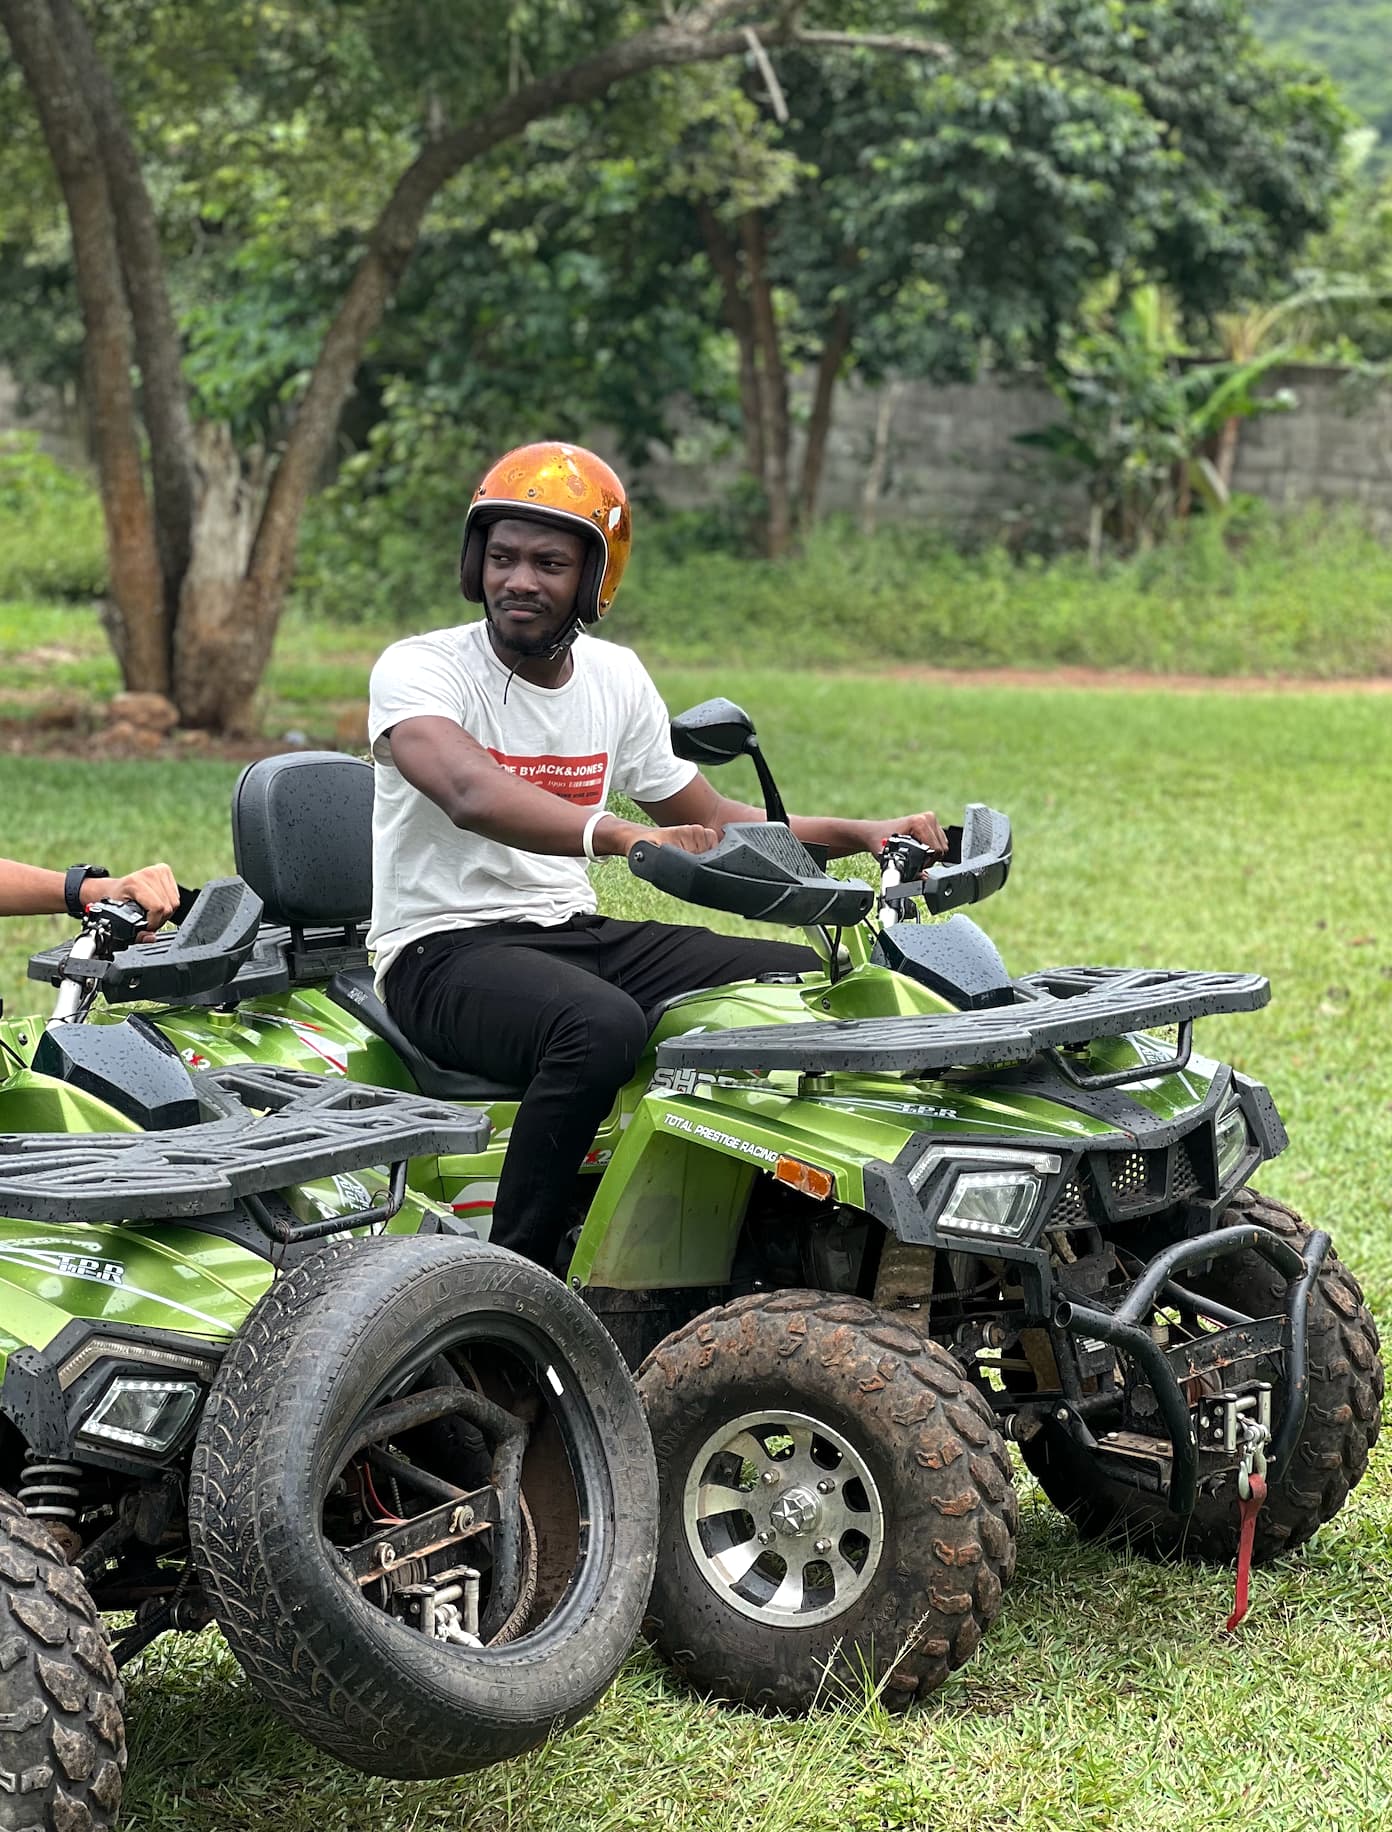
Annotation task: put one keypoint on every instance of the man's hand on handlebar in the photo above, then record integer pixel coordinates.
(615, 838)
(925, 828)
(152, 887)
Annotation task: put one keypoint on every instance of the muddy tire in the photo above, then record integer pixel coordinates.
(1331, 1454)
(343, 1330)
(62, 1736)
(874, 1471)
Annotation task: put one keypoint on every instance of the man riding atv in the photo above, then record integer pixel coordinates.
(497, 744)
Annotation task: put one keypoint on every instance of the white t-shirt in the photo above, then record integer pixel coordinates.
(604, 729)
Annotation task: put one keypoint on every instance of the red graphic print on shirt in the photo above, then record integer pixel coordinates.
(574, 779)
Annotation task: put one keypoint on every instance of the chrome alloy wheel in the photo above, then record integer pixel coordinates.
(783, 1518)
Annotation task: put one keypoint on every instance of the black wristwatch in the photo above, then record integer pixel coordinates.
(73, 880)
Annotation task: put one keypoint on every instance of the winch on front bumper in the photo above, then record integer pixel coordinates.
(1212, 1424)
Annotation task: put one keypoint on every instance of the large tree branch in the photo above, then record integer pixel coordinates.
(158, 352)
(892, 42)
(687, 38)
(136, 582)
(833, 354)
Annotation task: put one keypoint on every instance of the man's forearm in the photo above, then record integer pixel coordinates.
(516, 813)
(840, 837)
(29, 890)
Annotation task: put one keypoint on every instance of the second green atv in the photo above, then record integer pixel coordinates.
(861, 1229)
(250, 1377)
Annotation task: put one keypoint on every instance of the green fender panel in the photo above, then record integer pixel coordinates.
(668, 1212)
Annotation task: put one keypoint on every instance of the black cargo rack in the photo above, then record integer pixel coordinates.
(1054, 1010)
(266, 1130)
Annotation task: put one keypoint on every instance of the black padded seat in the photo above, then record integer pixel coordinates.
(302, 839)
(354, 992)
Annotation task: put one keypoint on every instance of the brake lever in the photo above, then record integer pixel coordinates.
(187, 899)
(906, 857)
(115, 924)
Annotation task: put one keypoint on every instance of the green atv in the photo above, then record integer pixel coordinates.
(861, 1229)
(252, 1377)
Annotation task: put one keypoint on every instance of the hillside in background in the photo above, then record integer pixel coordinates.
(1352, 39)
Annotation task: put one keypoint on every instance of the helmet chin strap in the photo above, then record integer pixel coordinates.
(541, 652)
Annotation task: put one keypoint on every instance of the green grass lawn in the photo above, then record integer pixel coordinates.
(1178, 830)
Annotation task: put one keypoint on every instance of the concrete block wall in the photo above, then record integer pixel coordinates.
(953, 455)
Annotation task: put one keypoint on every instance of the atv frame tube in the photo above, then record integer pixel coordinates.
(1123, 1329)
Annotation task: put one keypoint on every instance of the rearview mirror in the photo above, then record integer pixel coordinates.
(716, 731)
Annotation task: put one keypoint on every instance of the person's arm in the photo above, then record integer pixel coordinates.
(30, 890)
(440, 759)
(701, 803)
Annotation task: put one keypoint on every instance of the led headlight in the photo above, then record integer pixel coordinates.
(150, 1414)
(1233, 1143)
(998, 1202)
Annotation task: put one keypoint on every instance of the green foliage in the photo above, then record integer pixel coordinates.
(971, 205)
(1138, 419)
(381, 544)
(1352, 264)
(52, 541)
(1351, 39)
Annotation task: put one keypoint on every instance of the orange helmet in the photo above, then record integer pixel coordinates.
(569, 486)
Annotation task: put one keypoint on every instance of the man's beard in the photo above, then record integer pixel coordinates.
(532, 648)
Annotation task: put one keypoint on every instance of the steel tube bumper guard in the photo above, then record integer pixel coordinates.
(1124, 1329)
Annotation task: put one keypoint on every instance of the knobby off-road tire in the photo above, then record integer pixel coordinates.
(919, 1492)
(311, 1361)
(62, 1736)
(1331, 1454)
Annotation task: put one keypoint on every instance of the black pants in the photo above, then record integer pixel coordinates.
(564, 1013)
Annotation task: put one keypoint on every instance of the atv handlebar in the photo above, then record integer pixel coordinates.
(977, 864)
(203, 954)
(757, 869)
(761, 870)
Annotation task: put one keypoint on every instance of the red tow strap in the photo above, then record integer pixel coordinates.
(1248, 1510)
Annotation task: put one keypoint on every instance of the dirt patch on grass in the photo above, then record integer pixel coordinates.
(38, 736)
(67, 724)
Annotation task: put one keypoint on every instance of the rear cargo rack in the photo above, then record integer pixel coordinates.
(265, 1130)
(1053, 1010)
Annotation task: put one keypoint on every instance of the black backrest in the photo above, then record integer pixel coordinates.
(302, 836)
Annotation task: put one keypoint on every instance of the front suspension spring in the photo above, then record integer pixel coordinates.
(49, 1491)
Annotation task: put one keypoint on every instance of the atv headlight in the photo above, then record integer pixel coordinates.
(1233, 1143)
(998, 1202)
(147, 1413)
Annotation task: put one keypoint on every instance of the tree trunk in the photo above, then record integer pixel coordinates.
(819, 424)
(724, 258)
(222, 637)
(773, 386)
(136, 581)
(873, 490)
(164, 398)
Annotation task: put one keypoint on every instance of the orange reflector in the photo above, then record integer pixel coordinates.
(805, 1177)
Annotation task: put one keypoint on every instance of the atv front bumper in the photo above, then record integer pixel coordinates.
(1192, 1424)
